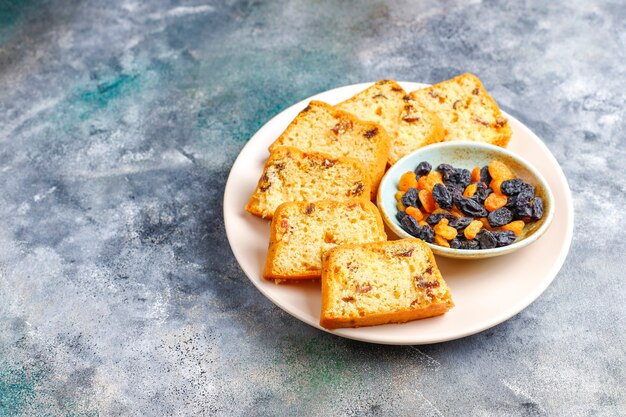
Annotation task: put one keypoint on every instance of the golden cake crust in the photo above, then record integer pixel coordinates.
(302, 232)
(378, 283)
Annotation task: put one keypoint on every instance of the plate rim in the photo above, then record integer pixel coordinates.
(510, 312)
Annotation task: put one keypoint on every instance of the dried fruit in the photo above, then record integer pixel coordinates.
(514, 186)
(433, 178)
(423, 168)
(434, 218)
(482, 192)
(460, 223)
(460, 242)
(410, 225)
(472, 229)
(504, 238)
(486, 239)
(446, 171)
(516, 227)
(499, 170)
(537, 209)
(470, 190)
(414, 212)
(442, 196)
(471, 208)
(427, 234)
(495, 201)
(407, 180)
(400, 215)
(409, 199)
(427, 200)
(441, 241)
(442, 229)
(476, 174)
(500, 217)
(485, 176)
(399, 195)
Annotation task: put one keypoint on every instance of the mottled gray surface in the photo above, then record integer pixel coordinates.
(119, 122)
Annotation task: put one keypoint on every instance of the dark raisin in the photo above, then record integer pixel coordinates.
(409, 199)
(460, 223)
(514, 186)
(446, 171)
(309, 209)
(460, 242)
(371, 133)
(485, 176)
(537, 212)
(401, 215)
(410, 225)
(471, 208)
(504, 238)
(442, 196)
(486, 239)
(522, 207)
(433, 219)
(482, 192)
(457, 196)
(427, 234)
(423, 168)
(500, 217)
(463, 177)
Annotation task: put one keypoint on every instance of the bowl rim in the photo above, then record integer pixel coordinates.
(471, 253)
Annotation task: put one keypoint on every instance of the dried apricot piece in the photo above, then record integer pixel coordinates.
(476, 174)
(470, 190)
(494, 201)
(427, 200)
(407, 180)
(516, 227)
(472, 229)
(415, 213)
(442, 229)
(441, 241)
(498, 170)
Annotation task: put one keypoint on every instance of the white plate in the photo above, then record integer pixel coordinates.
(486, 292)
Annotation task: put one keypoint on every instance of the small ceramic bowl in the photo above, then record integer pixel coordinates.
(466, 155)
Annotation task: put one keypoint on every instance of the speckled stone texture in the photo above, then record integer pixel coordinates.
(119, 122)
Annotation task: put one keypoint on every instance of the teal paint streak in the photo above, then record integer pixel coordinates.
(12, 12)
(17, 390)
(92, 100)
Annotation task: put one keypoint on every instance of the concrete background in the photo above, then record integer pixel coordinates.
(119, 122)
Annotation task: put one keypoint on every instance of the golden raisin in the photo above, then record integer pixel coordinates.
(456, 212)
(433, 177)
(441, 241)
(470, 190)
(495, 201)
(415, 213)
(407, 180)
(442, 229)
(495, 185)
(401, 206)
(422, 183)
(476, 174)
(485, 223)
(516, 227)
(427, 200)
(500, 171)
(422, 223)
(472, 229)
(399, 195)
